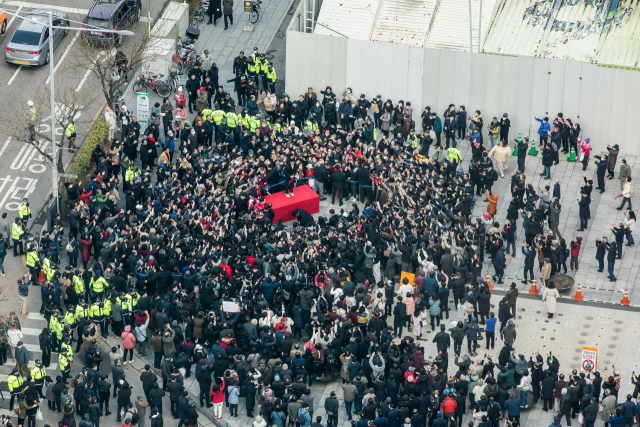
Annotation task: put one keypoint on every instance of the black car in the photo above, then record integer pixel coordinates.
(111, 15)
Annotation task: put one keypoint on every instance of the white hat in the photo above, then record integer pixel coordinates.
(30, 103)
(180, 89)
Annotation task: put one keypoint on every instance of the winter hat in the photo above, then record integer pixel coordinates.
(564, 391)
(276, 377)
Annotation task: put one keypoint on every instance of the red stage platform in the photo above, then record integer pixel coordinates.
(303, 197)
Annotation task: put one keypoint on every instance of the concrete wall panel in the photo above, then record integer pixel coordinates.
(588, 95)
(571, 96)
(509, 88)
(414, 79)
(523, 121)
(447, 81)
(556, 88)
(462, 79)
(604, 92)
(619, 95)
(431, 77)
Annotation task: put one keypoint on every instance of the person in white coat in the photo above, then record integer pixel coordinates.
(14, 336)
(551, 295)
(525, 387)
(110, 117)
(419, 319)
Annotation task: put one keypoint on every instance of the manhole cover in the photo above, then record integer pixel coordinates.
(584, 334)
(586, 326)
(516, 326)
(574, 366)
(578, 350)
(538, 312)
(612, 346)
(576, 358)
(619, 322)
(552, 339)
(617, 330)
(544, 329)
(582, 342)
(518, 317)
(609, 354)
(606, 362)
(614, 338)
(546, 321)
(589, 318)
(522, 309)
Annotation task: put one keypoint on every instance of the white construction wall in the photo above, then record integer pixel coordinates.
(601, 99)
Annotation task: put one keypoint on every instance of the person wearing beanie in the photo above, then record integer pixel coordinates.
(259, 422)
(556, 422)
(565, 406)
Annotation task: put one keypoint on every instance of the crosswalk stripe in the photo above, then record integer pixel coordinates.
(31, 331)
(34, 315)
(36, 6)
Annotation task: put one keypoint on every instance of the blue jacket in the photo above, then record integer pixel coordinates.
(602, 166)
(512, 405)
(268, 289)
(611, 249)
(530, 257)
(303, 414)
(234, 394)
(544, 128)
(430, 285)
(628, 409)
(499, 261)
(344, 108)
(437, 124)
(170, 143)
(490, 324)
(155, 396)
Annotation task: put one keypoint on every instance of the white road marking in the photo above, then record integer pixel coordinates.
(63, 55)
(37, 6)
(14, 75)
(17, 12)
(35, 316)
(4, 147)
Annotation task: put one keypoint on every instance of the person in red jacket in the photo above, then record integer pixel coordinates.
(449, 406)
(217, 396)
(575, 252)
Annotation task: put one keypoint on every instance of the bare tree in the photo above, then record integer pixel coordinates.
(99, 59)
(70, 105)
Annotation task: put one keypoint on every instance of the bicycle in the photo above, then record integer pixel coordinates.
(198, 17)
(161, 87)
(255, 12)
(185, 54)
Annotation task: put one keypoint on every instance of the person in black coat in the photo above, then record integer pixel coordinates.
(338, 180)
(305, 219)
(321, 176)
(215, 12)
(548, 158)
(601, 162)
(204, 381)
(585, 212)
(547, 390)
(504, 314)
(399, 314)
(124, 399)
(529, 261)
(523, 147)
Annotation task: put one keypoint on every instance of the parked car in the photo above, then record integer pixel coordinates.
(110, 15)
(29, 44)
(3, 24)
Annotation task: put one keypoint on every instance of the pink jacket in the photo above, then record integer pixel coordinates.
(128, 339)
(180, 98)
(586, 147)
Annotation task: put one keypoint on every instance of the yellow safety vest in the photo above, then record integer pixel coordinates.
(251, 67)
(79, 285)
(313, 126)
(16, 231)
(33, 114)
(107, 307)
(232, 120)
(413, 140)
(71, 129)
(254, 124)
(271, 75)
(97, 311)
(68, 348)
(125, 304)
(130, 174)
(82, 311)
(24, 210)
(264, 67)
(217, 116)
(98, 285)
(14, 382)
(454, 154)
(63, 362)
(38, 372)
(53, 324)
(70, 317)
(133, 300)
(59, 331)
(206, 113)
(32, 258)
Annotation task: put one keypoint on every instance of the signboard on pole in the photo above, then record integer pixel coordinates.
(248, 5)
(589, 359)
(142, 102)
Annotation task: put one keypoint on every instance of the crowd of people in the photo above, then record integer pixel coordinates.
(192, 264)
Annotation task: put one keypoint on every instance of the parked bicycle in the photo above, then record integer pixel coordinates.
(151, 81)
(198, 16)
(185, 54)
(255, 12)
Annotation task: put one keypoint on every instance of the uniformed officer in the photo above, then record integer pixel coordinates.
(78, 284)
(271, 77)
(97, 285)
(64, 362)
(38, 372)
(15, 385)
(70, 318)
(98, 314)
(24, 211)
(33, 263)
(31, 125)
(17, 234)
(264, 65)
(71, 133)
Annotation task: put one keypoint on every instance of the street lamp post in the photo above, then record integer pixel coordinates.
(54, 148)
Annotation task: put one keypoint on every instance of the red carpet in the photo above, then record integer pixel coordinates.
(304, 197)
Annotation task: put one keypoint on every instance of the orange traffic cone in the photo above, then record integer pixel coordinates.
(41, 277)
(489, 282)
(625, 299)
(534, 288)
(578, 295)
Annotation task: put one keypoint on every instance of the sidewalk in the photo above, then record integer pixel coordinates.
(224, 46)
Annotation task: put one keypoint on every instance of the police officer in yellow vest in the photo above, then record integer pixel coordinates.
(24, 212)
(413, 139)
(78, 284)
(31, 124)
(97, 285)
(232, 120)
(98, 314)
(33, 262)
(131, 173)
(125, 305)
(70, 318)
(49, 269)
(66, 345)
(134, 297)
(71, 133)
(38, 372)
(64, 362)
(254, 124)
(454, 154)
(17, 233)
(253, 67)
(312, 125)
(246, 118)
(107, 312)
(206, 113)
(53, 328)
(264, 65)
(82, 310)
(60, 330)
(271, 77)
(14, 382)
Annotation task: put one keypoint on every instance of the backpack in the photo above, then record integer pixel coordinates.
(134, 418)
(69, 247)
(16, 408)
